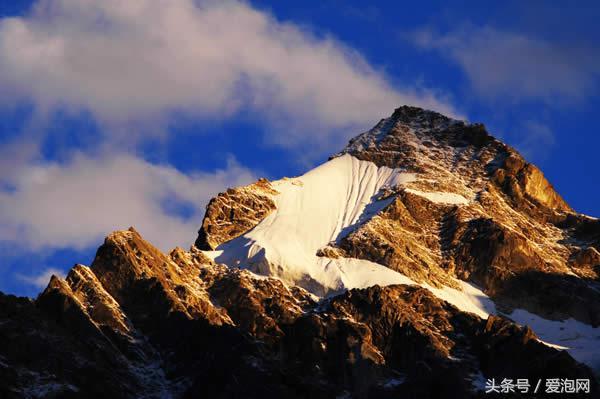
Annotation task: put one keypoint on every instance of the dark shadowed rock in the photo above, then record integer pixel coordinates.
(184, 326)
(139, 323)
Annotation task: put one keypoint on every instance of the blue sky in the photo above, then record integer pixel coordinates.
(135, 113)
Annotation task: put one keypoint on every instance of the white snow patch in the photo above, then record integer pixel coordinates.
(581, 340)
(331, 200)
(468, 299)
(212, 255)
(316, 209)
(440, 197)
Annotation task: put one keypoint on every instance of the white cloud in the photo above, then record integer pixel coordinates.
(77, 203)
(40, 280)
(132, 65)
(136, 61)
(516, 66)
(536, 140)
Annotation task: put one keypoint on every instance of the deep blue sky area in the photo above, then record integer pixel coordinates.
(529, 71)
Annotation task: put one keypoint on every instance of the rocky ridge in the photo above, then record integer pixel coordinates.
(234, 212)
(140, 323)
(475, 210)
(514, 236)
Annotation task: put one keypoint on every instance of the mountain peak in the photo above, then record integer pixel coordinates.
(396, 260)
(456, 154)
(425, 125)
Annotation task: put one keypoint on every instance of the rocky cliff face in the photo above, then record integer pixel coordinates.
(509, 237)
(232, 213)
(184, 326)
(439, 207)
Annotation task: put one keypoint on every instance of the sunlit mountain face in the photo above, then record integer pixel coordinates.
(258, 199)
(422, 259)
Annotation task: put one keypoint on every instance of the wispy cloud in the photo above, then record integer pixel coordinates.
(75, 204)
(536, 140)
(134, 62)
(132, 65)
(516, 66)
(41, 279)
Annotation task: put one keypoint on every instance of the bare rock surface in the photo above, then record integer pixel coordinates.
(139, 323)
(514, 235)
(234, 212)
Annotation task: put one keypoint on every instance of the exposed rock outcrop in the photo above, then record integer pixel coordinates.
(234, 212)
(404, 237)
(513, 235)
(205, 329)
(462, 206)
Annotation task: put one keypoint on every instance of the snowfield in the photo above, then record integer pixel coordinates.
(330, 201)
(313, 210)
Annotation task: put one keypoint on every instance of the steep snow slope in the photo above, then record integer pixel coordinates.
(320, 207)
(330, 201)
(312, 211)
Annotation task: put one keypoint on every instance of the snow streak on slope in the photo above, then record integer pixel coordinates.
(440, 197)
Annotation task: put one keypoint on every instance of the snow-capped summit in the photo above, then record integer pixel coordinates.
(425, 257)
(429, 200)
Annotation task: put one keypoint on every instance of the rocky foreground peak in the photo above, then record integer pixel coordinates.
(422, 260)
